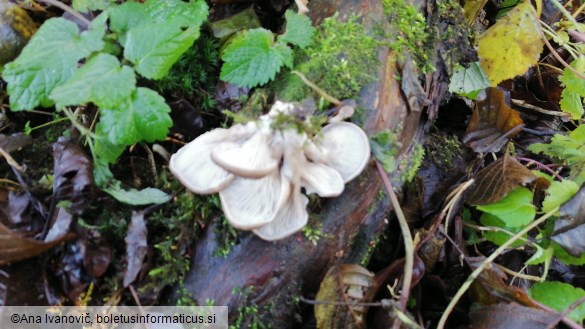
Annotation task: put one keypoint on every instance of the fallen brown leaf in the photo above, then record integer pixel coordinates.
(492, 122)
(570, 227)
(136, 247)
(496, 180)
(15, 247)
(506, 316)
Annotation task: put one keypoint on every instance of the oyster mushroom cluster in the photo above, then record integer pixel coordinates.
(259, 170)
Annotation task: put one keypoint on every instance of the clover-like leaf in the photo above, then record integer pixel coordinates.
(253, 58)
(49, 59)
(515, 209)
(101, 80)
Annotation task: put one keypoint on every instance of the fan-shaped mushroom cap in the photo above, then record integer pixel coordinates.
(291, 218)
(251, 158)
(321, 179)
(342, 146)
(193, 166)
(250, 203)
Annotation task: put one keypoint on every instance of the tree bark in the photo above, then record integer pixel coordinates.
(279, 271)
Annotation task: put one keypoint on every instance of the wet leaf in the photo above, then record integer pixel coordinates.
(468, 82)
(15, 247)
(506, 316)
(14, 142)
(73, 178)
(570, 227)
(492, 122)
(136, 247)
(559, 296)
(343, 283)
(96, 254)
(512, 45)
(15, 209)
(497, 180)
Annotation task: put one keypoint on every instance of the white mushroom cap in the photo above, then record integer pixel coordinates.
(291, 218)
(321, 179)
(250, 203)
(251, 158)
(193, 166)
(342, 146)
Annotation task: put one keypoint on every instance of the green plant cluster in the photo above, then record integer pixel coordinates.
(342, 59)
(254, 57)
(141, 40)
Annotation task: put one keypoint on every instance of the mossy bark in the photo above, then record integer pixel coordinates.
(279, 271)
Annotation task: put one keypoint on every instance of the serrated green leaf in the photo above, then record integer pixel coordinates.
(468, 82)
(101, 80)
(558, 193)
(144, 117)
(49, 59)
(299, 30)
(571, 103)
(186, 14)
(570, 149)
(515, 209)
(253, 59)
(126, 16)
(155, 48)
(137, 197)
(559, 296)
(573, 83)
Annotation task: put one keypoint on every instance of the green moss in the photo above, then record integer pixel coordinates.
(194, 75)
(248, 313)
(408, 32)
(341, 60)
(413, 164)
(442, 150)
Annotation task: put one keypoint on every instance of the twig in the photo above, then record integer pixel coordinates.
(560, 59)
(486, 262)
(540, 166)
(524, 104)
(566, 312)
(11, 160)
(68, 9)
(320, 91)
(408, 243)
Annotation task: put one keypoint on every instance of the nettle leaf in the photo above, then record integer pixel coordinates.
(559, 296)
(299, 30)
(515, 209)
(253, 58)
(49, 59)
(155, 48)
(144, 117)
(101, 80)
(192, 13)
(126, 16)
(468, 82)
(512, 45)
(558, 193)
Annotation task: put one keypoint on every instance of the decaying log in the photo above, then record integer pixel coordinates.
(279, 271)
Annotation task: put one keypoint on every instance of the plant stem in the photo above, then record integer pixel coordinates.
(408, 243)
(68, 9)
(486, 262)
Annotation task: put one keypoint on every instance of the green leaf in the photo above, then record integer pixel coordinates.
(126, 16)
(137, 197)
(573, 83)
(299, 30)
(49, 59)
(155, 48)
(565, 257)
(468, 82)
(570, 149)
(253, 58)
(499, 237)
(101, 80)
(558, 193)
(515, 209)
(186, 14)
(85, 6)
(144, 117)
(559, 296)
(571, 103)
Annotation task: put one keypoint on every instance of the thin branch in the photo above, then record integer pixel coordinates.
(488, 261)
(408, 243)
(320, 91)
(68, 9)
(565, 313)
(560, 59)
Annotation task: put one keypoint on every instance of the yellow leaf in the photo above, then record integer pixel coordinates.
(512, 45)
